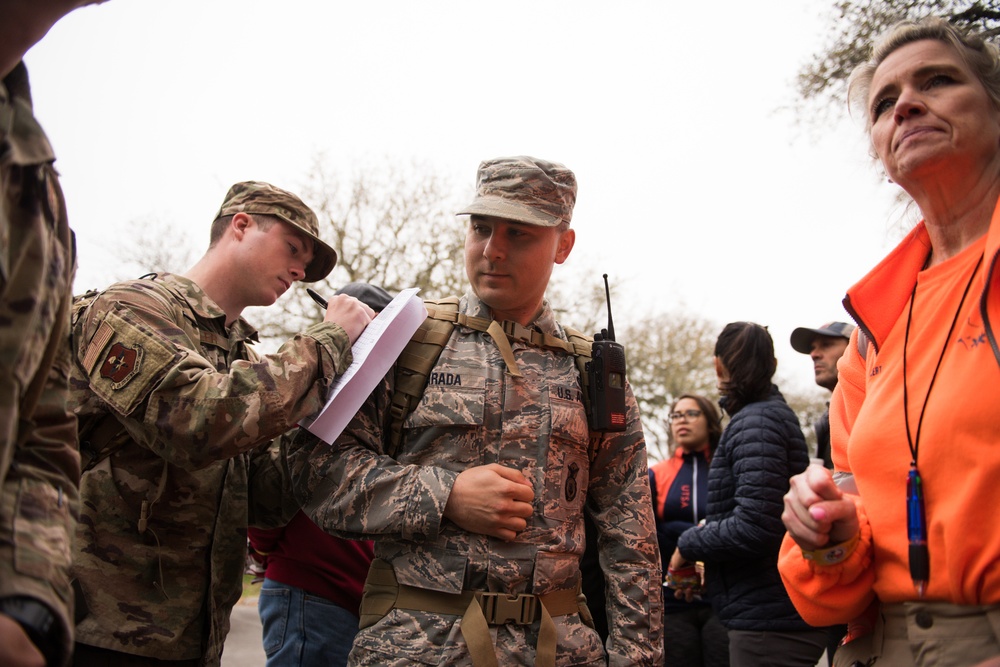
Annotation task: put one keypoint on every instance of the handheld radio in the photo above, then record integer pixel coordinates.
(606, 377)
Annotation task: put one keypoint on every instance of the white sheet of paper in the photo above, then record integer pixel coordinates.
(374, 353)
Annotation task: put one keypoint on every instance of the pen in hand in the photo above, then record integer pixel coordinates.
(316, 297)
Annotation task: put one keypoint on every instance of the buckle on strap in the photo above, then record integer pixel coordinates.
(517, 331)
(500, 608)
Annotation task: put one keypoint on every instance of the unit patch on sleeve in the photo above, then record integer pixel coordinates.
(121, 364)
(126, 361)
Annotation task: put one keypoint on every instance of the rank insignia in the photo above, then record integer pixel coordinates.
(121, 365)
(570, 488)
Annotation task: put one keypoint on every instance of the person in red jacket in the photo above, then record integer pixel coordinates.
(313, 581)
(911, 526)
(693, 636)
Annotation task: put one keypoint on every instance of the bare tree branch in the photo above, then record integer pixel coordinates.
(821, 83)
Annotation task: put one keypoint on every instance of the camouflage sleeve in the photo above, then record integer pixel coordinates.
(354, 489)
(38, 505)
(135, 355)
(39, 462)
(623, 514)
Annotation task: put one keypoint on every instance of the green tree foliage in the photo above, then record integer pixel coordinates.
(855, 24)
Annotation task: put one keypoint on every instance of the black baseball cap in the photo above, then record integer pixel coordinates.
(802, 337)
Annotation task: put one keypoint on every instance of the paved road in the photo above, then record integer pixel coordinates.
(243, 645)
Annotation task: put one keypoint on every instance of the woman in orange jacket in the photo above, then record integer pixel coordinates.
(910, 531)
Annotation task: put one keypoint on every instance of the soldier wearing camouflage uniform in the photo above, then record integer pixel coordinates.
(39, 464)
(478, 514)
(176, 412)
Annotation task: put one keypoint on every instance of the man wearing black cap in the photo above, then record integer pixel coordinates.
(825, 345)
(477, 512)
(176, 413)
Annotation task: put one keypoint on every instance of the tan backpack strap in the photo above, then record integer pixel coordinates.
(417, 360)
(476, 632)
(536, 338)
(490, 327)
(582, 346)
(495, 331)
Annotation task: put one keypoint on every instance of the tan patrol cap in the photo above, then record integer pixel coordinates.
(266, 199)
(524, 189)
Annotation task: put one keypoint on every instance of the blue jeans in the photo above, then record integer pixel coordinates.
(303, 630)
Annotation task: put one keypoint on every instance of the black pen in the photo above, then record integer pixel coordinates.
(317, 298)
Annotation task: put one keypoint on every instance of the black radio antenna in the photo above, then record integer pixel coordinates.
(607, 294)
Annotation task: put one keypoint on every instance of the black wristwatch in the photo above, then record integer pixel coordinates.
(39, 623)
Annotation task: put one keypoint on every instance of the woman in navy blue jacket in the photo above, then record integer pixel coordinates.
(761, 448)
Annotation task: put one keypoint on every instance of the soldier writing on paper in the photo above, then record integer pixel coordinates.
(176, 414)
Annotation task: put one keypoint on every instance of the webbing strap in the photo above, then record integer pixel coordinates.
(495, 331)
(480, 609)
(476, 632)
(497, 608)
(536, 338)
(492, 328)
(420, 355)
(477, 636)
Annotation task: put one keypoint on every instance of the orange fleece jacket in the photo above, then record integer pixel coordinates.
(959, 446)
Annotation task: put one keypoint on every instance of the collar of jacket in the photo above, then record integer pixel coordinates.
(877, 301)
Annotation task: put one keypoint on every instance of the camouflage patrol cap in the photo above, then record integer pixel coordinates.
(266, 199)
(524, 189)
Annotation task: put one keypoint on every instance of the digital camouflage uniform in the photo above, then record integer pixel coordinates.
(161, 545)
(39, 464)
(473, 413)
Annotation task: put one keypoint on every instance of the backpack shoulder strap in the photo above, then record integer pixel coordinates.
(418, 359)
(582, 346)
(420, 355)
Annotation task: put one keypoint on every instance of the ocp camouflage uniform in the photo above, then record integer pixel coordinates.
(472, 413)
(161, 545)
(39, 464)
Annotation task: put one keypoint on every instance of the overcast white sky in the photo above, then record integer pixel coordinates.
(695, 191)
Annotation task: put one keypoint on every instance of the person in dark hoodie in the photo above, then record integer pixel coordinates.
(761, 448)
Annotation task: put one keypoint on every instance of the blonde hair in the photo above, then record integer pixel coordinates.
(982, 57)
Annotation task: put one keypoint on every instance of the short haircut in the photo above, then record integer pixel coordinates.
(264, 222)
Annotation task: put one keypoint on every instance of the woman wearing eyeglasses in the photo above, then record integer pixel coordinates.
(692, 633)
(760, 449)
